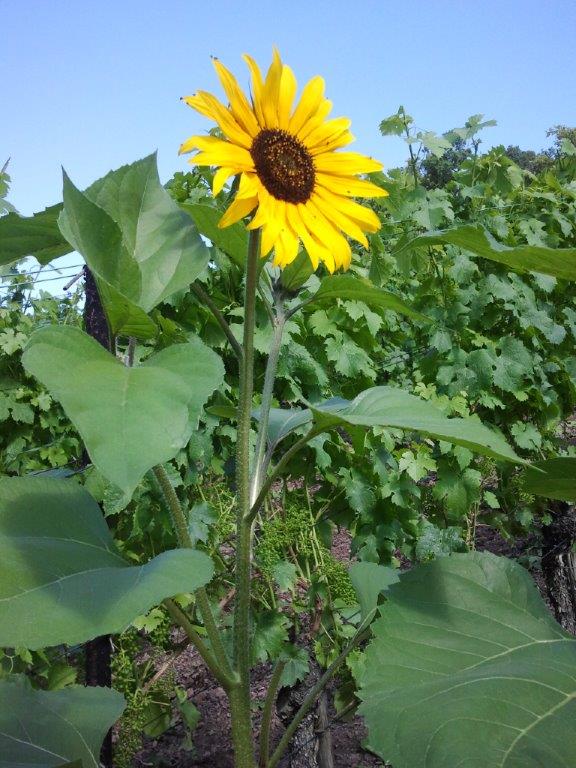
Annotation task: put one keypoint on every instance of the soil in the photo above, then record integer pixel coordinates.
(212, 742)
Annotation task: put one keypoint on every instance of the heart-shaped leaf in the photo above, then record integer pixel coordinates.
(133, 236)
(54, 729)
(361, 289)
(468, 668)
(558, 262)
(391, 407)
(129, 418)
(62, 580)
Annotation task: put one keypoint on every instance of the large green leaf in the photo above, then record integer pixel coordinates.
(468, 668)
(553, 478)
(53, 729)
(36, 235)
(129, 418)
(391, 407)
(361, 289)
(232, 240)
(132, 235)
(559, 262)
(62, 580)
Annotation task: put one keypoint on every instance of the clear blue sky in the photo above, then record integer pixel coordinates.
(93, 85)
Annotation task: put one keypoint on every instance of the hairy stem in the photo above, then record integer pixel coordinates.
(174, 508)
(240, 699)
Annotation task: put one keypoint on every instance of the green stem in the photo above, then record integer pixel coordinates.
(227, 681)
(315, 691)
(267, 392)
(242, 738)
(240, 700)
(268, 711)
(174, 507)
(221, 320)
(183, 535)
(279, 468)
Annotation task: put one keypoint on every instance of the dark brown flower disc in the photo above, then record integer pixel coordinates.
(284, 165)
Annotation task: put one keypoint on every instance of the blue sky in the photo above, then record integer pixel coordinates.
(93, 85)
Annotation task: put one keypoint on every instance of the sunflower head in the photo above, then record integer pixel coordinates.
(292, 179)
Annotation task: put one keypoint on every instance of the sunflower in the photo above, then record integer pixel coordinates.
(300, 188)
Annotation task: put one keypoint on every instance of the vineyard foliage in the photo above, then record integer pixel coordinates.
(458, 328)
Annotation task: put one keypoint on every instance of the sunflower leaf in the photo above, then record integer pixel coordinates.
(54, 729)
(392, 407)
(129, 418)
(352, 287)
(294, 275)
(62, 580)
(133, 236)
(467, 667)
(558, 262)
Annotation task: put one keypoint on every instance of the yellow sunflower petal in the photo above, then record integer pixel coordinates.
(286, 94)
(271, 92)
(229, 159)
(271, 229)
(345, 163)
(339, 219)
(286, 248)
(257, 86)
(321, 134)
(322, 230)
(315, 251)
(249, 185)
(329, 234)
(312, 96)
(237, 211)
(220, 178)
(209, 106)
(239, 104)
(365, 217)
(264, 212)
(315, 121)
(337, 141)
(215, 151)
(208, 143)
(350, 187)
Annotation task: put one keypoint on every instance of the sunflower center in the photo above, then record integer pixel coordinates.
(283, 165)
